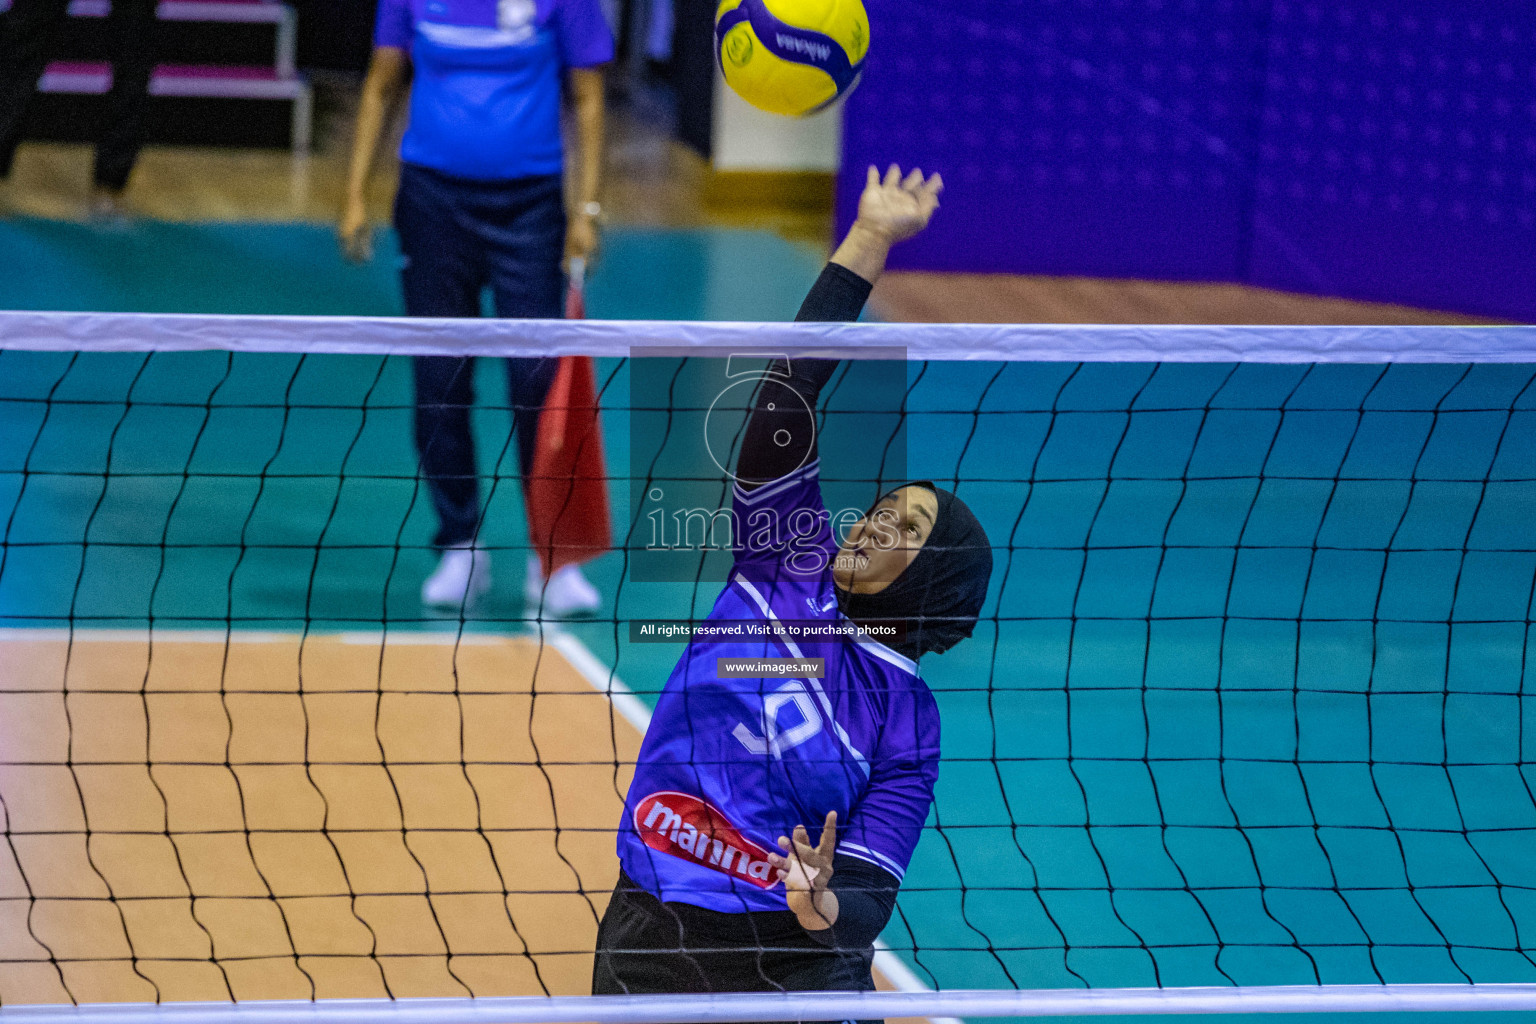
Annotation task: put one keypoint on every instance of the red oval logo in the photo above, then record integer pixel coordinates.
(685, 826)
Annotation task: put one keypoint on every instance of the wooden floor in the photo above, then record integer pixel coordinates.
(256, 816)
(263, 820)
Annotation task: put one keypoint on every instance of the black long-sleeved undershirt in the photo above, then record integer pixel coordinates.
(866, 894)
(838, 296)
(787, 400)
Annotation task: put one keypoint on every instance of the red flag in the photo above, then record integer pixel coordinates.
(567, 496)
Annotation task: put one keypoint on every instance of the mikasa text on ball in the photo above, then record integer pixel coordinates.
(791, 56)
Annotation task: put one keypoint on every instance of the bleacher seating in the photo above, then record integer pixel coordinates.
(202, 57)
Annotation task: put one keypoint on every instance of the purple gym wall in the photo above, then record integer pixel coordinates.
(1379, 150)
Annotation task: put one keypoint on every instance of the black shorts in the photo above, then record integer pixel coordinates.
(645, 946)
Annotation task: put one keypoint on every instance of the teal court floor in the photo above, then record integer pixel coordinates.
(1250, 703)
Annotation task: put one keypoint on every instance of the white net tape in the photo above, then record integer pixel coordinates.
(143, 332)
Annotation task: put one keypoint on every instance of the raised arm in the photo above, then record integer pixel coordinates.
(891, 209)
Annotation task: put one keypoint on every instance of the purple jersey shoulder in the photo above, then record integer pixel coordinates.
(784, 523)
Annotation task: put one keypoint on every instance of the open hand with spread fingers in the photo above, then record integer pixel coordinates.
(891, 209)
(805, 871)
(898, 207)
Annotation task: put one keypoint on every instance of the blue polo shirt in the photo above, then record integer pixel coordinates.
(485, 96)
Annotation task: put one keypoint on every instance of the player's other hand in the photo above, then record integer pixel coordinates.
(897, 207)
(355, 233)
(805, 870)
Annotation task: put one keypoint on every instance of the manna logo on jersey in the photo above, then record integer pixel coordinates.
(685, 826)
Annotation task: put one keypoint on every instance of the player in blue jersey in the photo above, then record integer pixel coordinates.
(722, 888)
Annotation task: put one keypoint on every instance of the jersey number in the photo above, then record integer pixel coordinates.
(775, 740)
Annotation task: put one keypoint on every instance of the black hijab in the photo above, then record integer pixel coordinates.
(939, 596)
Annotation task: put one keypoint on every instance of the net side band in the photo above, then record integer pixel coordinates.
(145, 332)
(652, 1009)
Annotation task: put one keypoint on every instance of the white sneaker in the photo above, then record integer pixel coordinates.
(462, 576)
(567, 593)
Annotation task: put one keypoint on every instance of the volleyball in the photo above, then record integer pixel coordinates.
(791, 57)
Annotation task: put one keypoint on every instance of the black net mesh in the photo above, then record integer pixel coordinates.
(1248, 703)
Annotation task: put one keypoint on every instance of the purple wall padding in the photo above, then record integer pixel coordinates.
(1398, 156)
(1076, 138)
(1377, 149)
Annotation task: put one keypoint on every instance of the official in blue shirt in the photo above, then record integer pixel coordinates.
(481, 203)
(721, 889)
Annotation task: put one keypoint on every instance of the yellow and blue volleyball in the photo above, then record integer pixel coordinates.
(791, 57)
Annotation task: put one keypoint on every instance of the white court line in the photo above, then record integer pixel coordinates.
(634, 711)
(121, 636)
(418, 638)
(602, 679)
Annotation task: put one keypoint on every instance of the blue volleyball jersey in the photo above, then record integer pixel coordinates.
(730, 765)
(486, 79)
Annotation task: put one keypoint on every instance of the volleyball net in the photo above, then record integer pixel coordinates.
(1246, 724)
